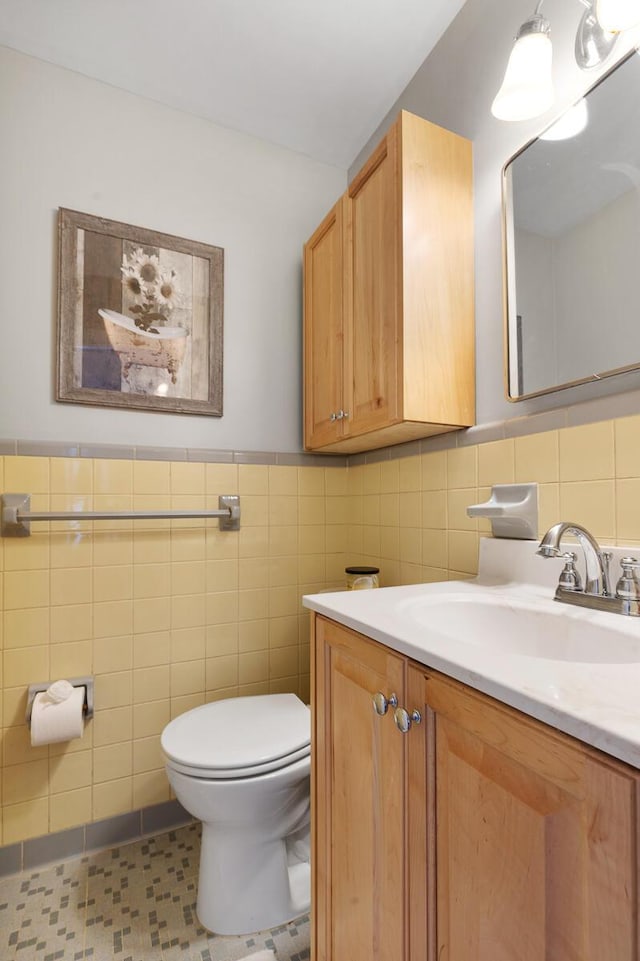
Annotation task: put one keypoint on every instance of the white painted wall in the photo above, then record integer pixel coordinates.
(68, 141)
(455, 87)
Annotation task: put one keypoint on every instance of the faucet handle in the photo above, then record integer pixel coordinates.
(628, 586)
(570, 578)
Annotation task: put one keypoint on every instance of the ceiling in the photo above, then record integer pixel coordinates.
(314, 77)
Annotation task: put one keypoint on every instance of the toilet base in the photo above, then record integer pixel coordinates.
(255, 837)
(275, 884)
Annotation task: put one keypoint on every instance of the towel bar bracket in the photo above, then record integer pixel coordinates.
(232, 503)
(16, 516)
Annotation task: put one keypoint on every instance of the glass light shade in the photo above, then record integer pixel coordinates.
(570, 124)
(617, 15)
(527, 88)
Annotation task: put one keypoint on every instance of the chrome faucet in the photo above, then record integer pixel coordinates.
(597, 592)
(596, 560)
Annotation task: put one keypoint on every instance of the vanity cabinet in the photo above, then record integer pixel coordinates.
(479, 835)
(533, 833)
(388, 298)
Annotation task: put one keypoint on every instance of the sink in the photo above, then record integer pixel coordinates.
(503, 634)
(539, 629)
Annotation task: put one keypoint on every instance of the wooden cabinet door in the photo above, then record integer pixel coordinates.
(373, 386)
(358, 801)
(535, 842)
(324, 292)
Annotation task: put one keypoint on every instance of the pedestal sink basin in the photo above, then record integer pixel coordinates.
(527, 629)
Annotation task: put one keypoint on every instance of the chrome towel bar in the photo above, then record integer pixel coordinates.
(16, 517)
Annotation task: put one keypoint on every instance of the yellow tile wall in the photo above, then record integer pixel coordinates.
(168, 616)
(165, 615)
(589, 474)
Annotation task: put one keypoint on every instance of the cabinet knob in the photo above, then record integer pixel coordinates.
(404, 720)
(333, 417)
(381, 704)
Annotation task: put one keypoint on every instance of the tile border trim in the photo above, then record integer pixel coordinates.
(33, 853)
(32, 448)
(587, 412)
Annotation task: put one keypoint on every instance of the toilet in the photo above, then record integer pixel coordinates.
(242, 767)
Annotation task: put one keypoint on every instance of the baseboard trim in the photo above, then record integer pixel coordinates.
(94, 836)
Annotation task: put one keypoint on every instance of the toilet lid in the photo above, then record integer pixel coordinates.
(239, 736)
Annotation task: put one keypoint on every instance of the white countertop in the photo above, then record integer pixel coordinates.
(597, 701)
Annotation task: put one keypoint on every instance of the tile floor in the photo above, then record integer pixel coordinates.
(132, 903)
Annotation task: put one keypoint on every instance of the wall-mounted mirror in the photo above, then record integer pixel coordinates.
(572, 229)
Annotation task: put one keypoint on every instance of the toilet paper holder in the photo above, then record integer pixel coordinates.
(86, 682)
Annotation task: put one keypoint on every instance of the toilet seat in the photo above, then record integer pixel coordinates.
(239, 737)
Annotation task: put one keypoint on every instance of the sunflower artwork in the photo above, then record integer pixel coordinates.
(140, 318)
(155, 291)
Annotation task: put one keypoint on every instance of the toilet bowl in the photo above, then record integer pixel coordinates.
(241, 766)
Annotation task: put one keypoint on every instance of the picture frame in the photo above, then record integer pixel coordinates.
(140, 318)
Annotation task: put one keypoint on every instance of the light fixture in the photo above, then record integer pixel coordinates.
(570, 124)
(527, 88)
(593, 43)
(617, 15)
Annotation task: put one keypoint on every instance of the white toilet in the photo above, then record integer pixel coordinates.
(242, 767)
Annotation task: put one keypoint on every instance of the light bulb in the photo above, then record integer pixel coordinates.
(571, 123)
(527, 88)
(617, 15)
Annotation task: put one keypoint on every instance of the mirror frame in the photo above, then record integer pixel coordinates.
(509, 270)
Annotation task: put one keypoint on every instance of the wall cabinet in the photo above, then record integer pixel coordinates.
(388, 299)
(478, 835)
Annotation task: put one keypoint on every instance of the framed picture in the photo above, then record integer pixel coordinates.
(139, 318)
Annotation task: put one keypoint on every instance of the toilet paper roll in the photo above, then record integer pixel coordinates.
(57, 721)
